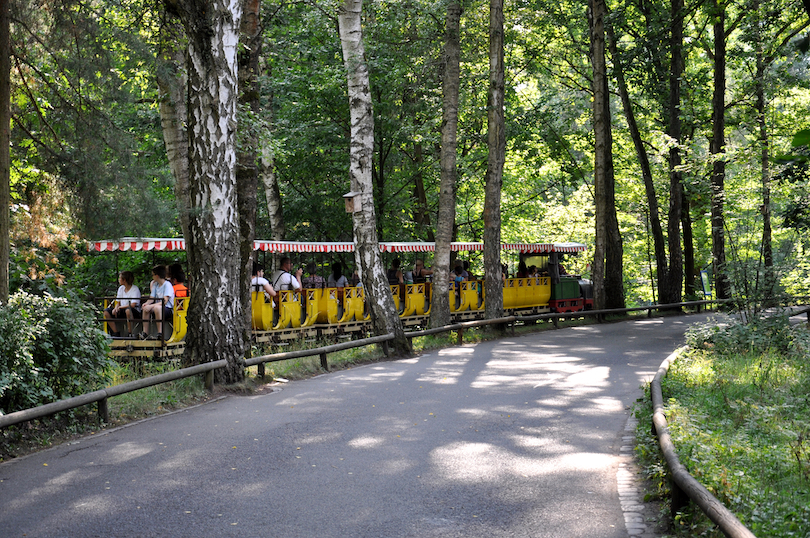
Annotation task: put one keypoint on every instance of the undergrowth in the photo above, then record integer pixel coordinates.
(738, 408)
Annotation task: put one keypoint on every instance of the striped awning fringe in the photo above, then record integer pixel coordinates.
(175, 244)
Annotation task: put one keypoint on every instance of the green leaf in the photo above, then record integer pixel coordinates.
(802, 138)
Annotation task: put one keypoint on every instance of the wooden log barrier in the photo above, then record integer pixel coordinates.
(685, 482)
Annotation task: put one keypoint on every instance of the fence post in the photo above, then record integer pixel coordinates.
(386, 352)
(460, 334)
(103, 411)
(556, 321)
(324, 363)
(209, 380)
(679, 500)
(260, 370)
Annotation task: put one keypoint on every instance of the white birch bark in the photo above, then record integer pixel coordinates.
(378, 293)
(215, 313)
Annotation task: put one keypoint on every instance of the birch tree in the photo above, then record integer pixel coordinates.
(379, 299)
(215, 312)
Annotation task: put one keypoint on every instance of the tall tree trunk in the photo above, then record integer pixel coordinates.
(673, 292)
(607, 266)
(247, 172)
(440, 306)
(272, 193)
(173, 85)
(722, 284)
(267, 172)
(421, 215)
(769, 279)
(659, 244)
(496, 141)
(215, 312)
(690, 270)
(378, 293)
(5, 152)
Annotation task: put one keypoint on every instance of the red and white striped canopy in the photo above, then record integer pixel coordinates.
(138, 243)
(142, 243)
(298, 246)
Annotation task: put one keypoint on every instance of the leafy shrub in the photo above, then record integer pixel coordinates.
(50, 349)
(730, 336)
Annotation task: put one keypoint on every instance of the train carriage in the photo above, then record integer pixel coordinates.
(333, 311)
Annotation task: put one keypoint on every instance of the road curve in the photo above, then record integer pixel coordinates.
(516, 437)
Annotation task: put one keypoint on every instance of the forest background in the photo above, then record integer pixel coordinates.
(89, 161)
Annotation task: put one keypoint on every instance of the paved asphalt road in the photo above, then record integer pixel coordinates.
(517, 437)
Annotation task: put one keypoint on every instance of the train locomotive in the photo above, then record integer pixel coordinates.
(342, 311)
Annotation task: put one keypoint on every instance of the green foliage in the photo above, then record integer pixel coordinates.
(86, 119)
(737, 410)
(50, 349)
(730, 336)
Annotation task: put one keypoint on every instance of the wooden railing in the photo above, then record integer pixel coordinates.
(207, 369)
(685, 486)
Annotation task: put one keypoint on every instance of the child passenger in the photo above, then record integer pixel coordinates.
(127, 303)
(160, 303)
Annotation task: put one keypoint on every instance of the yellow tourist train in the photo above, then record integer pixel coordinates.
(316, 312)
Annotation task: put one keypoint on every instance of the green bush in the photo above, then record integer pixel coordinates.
(50, 349)
(726, 335)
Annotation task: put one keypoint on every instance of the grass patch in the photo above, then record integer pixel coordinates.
(152, 400)
(738, 411)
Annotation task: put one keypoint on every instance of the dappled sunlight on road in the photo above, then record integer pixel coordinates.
(514, 437)
(367, 441)
(93, 505)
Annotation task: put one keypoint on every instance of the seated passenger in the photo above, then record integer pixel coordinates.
(522, 271)
(464, 266)
(259, 283)
(336, 279)
(394, 274)
(457, 276)
(127, 303)
(356, 281)
(420, 274)
(314, 280)
(177, 277)
(284, 280)
(395, 278)
(160, 303)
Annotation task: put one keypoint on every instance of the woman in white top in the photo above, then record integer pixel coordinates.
(336, 279)
(127, 303)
